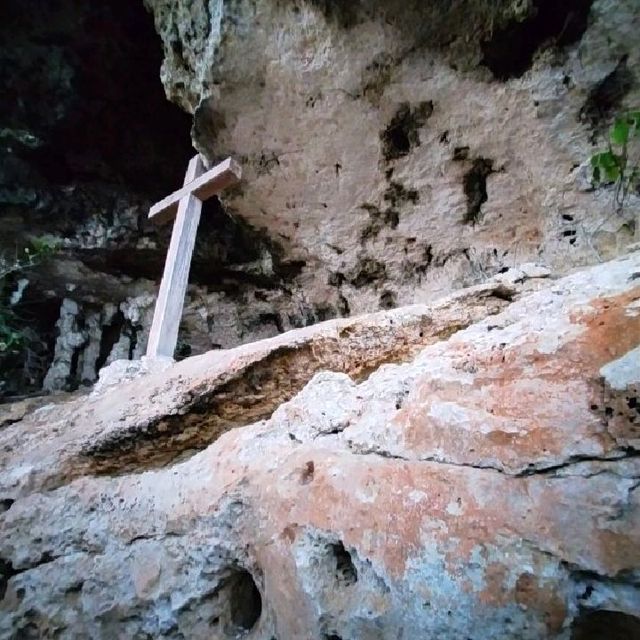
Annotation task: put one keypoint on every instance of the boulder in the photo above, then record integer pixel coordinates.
(465, 469)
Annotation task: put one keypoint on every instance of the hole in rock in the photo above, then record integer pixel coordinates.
(387, 300)
(308, 472)
(245, 602)
(475, 188)
(512, 48)
(401, 136)
(366, 272)
(609, 625)
(346, 572)
(6, 573)
(460, 153)
(29, 631)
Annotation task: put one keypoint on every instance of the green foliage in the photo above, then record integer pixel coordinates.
(620, 164)
(11, 338)
(12, 334)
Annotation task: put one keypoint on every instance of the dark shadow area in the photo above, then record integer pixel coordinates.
(82, 94)
(245, 602)
(605, 625)
(228, 252)
(6, 573)
(402, 134)
(605, 98)
(22, 371)
(346, 573)
(86, 133)
(110, 335)
(475, 188)
(511, 49)
(345, 14)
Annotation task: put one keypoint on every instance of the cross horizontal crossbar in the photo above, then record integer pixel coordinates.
(208, 184)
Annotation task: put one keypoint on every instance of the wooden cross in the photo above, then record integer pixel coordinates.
(186, 205)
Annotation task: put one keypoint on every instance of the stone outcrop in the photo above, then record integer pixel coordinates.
(393, 151)
(400, 149)
(465, 469)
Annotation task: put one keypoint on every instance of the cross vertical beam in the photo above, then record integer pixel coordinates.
(166, 317)
(186, 205)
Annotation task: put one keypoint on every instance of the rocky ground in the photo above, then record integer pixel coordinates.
(464, 469)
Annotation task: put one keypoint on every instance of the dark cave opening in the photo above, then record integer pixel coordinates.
(475, 188)
(85, 131)
(81, 82)
(511, 49)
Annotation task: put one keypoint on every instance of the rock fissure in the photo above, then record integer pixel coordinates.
(531, 469)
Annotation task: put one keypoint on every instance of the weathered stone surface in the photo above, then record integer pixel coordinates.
(386, 147)
(189, 405)
(393, 151)
(464, 470)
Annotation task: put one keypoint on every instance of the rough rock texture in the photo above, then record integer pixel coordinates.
(87, 142)
(392, 150)
(467, 469)
(400, 149)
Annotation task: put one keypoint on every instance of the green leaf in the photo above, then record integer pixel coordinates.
(620, 132)
(611, 174)
(607, 167)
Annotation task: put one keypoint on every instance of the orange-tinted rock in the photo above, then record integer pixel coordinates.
(482, 484)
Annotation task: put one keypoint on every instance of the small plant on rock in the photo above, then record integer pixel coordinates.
(620, 163)
(14, 337)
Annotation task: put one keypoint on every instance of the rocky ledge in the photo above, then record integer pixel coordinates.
(466, 469)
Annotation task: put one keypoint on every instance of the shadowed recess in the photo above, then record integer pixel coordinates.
(606, 97)
(475, 188)
(510, 51)
(605, 625)
(81, 82)
(245, 603)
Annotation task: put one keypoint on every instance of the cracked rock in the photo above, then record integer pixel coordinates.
(462, 469)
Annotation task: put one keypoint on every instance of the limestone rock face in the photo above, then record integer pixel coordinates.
(393, 150)
(402, 149)
(466, 469)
